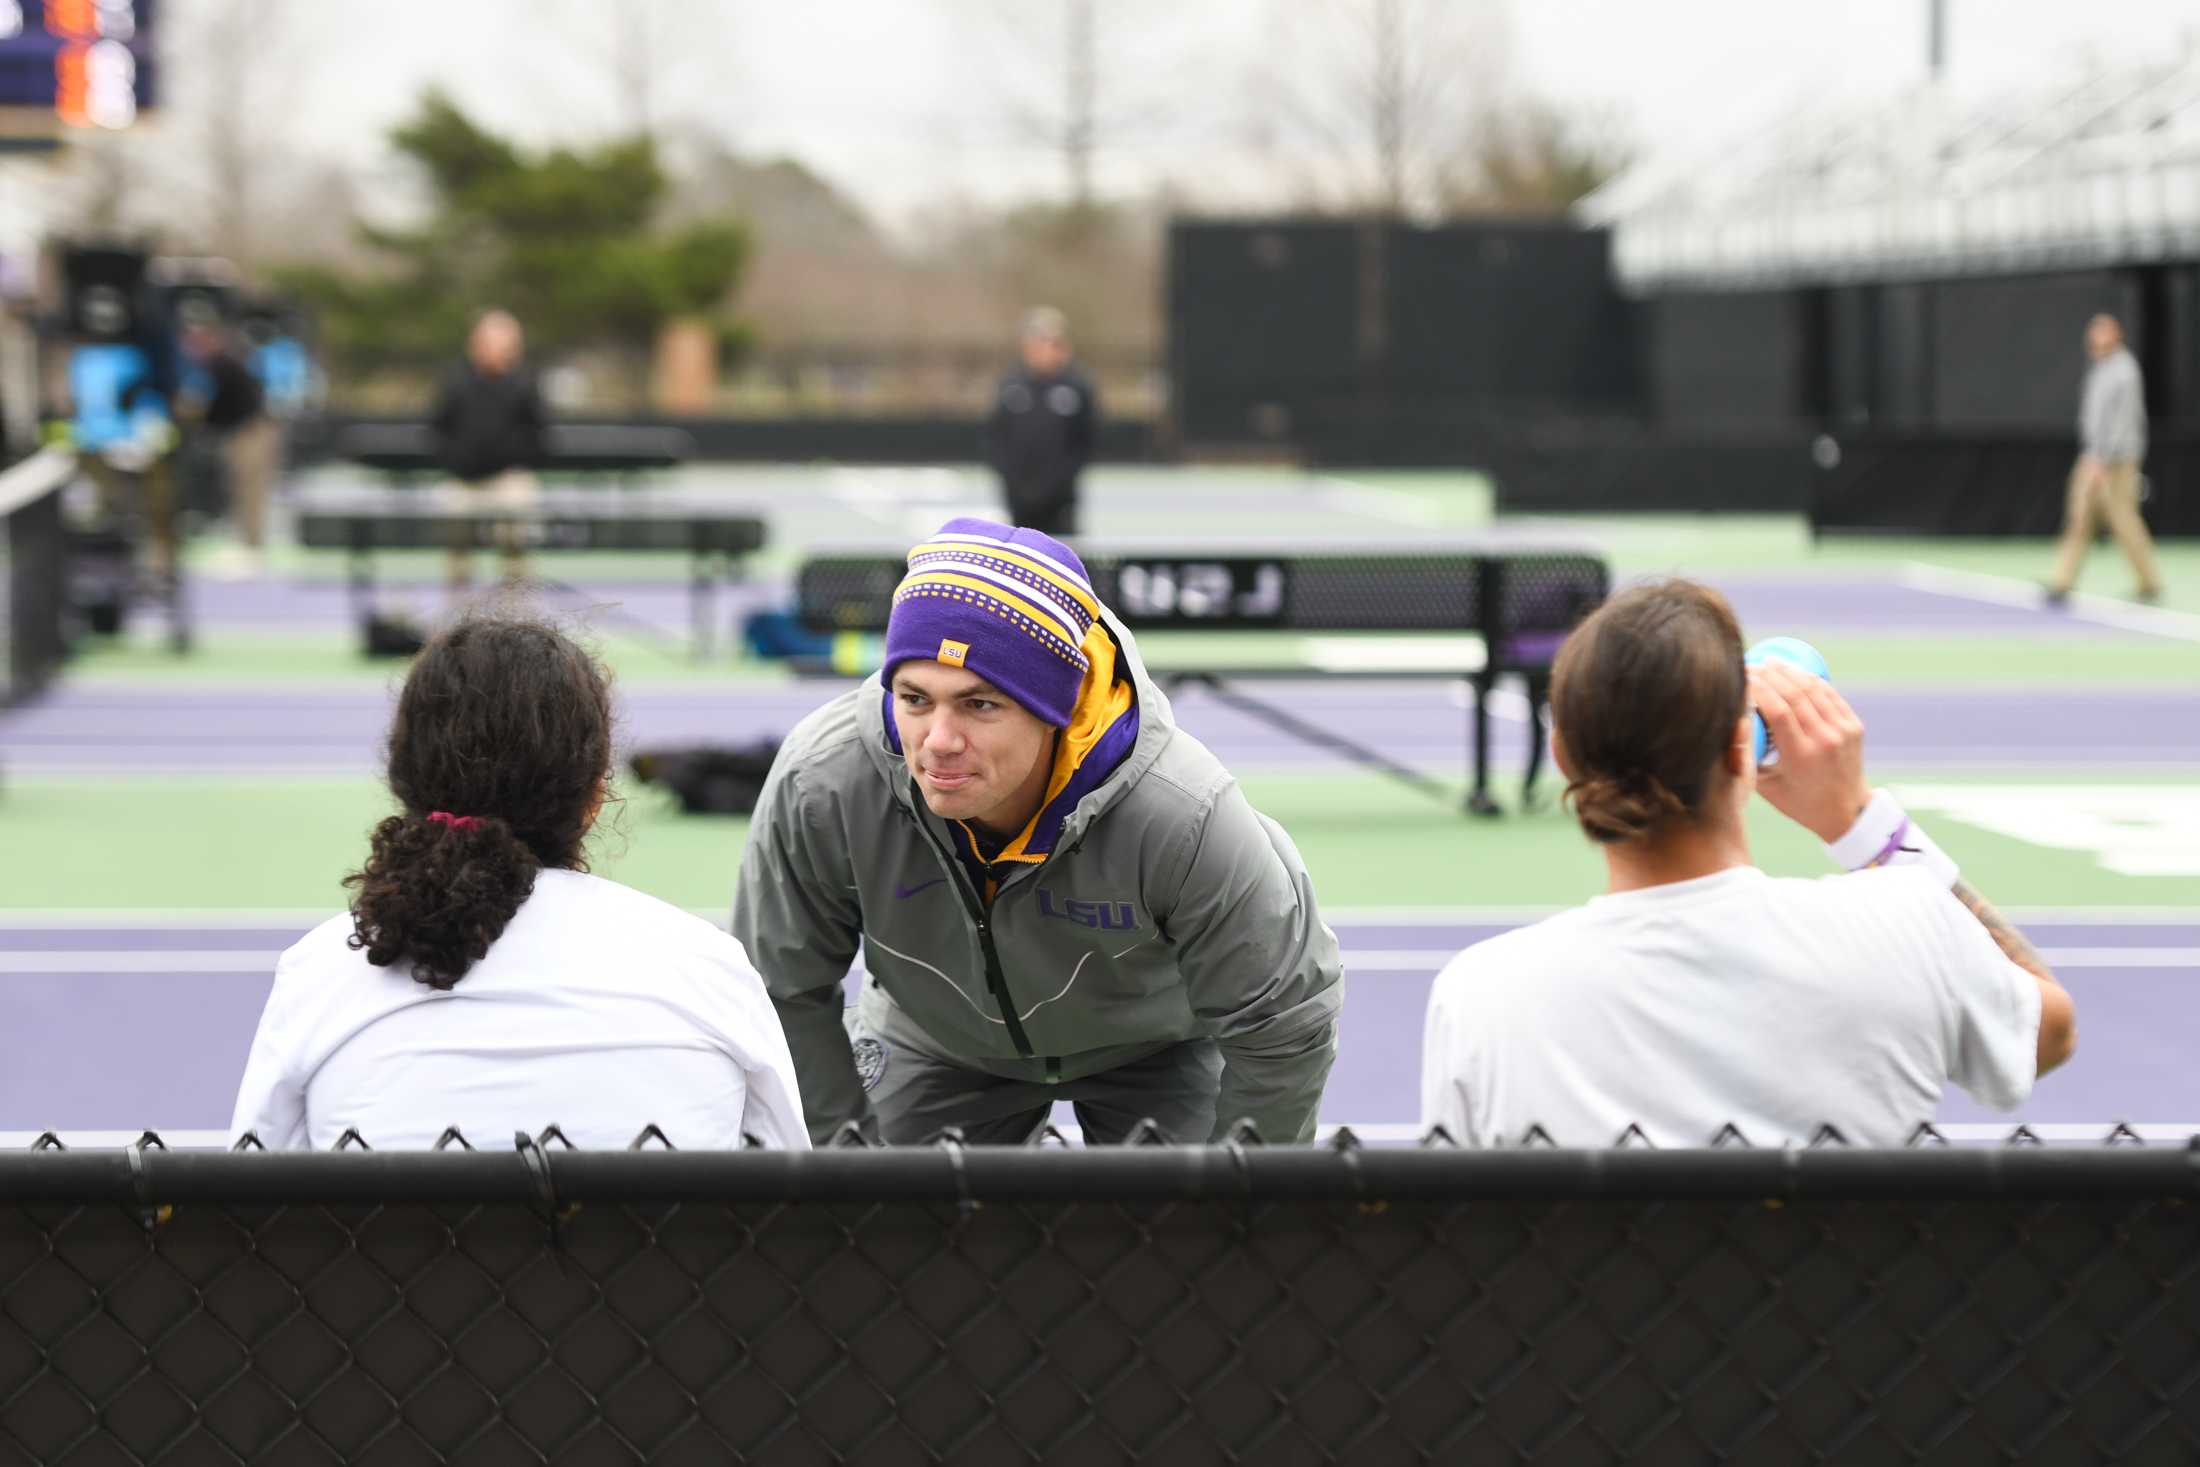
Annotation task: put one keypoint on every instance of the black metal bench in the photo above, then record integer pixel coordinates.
(1520, 599)
(578, 448)
(363, 519)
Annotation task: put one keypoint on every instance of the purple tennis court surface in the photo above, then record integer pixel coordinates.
(260, 729)
(1822, 603)
(266, 727)
(112, 1026)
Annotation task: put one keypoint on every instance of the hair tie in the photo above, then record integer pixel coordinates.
(460, 823)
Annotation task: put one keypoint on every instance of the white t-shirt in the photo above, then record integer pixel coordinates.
(1776, 1005)
(598, 1009)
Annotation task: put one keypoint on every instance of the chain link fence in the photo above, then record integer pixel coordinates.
(1185, 1304)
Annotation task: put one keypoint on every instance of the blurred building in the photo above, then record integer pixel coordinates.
(2097, 169)
(1910, 279)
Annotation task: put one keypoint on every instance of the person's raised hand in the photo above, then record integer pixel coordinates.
(1818, 781)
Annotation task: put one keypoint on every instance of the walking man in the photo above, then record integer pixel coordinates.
(2104, 484)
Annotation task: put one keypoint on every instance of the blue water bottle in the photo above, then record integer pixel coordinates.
(1781, 649)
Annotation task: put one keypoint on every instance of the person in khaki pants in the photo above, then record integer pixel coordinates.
(2104, 484)
(223, 398)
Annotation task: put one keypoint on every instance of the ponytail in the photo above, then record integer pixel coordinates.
(1622, 809)
(509, 721)
(435, 894)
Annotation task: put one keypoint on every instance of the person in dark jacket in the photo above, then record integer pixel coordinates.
(488, 427)
(1039, 437)
(223, 398)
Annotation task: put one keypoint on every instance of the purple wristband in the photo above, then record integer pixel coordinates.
(1894, 843)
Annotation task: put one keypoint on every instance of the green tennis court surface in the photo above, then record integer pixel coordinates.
(159, 843)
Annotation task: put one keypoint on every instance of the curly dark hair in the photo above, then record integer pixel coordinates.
(503, 734)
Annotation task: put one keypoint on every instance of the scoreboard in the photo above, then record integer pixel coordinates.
(74, 63)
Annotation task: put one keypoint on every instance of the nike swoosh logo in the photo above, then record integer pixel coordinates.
(905, 892)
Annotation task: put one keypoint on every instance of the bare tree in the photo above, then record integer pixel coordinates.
(100, 188)
(1079, 79)
(658, 59)
(1532, 158)
(1079, 123)
(211, 172)
(236, 75)
(1362, 105)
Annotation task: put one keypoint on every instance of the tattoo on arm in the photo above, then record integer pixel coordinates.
(2015, 944)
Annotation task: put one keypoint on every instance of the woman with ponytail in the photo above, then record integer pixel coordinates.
(482, 978)
(1698, 993)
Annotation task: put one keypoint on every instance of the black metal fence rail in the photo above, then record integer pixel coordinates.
(1985, 484)
(34, 569)
(1180, 1304)
(149, 1176)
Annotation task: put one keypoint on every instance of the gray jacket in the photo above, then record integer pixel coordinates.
(2112, 411)
(1169, 910)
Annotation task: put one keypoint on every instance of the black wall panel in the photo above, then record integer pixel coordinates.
(1852, 353)
(1996, 483)
(1496, 312)
(1355, 341)
(1902, 376)
(1262, 318)
(2170, 351)
(2009, 353)
(1726, 358)
(1274, 326)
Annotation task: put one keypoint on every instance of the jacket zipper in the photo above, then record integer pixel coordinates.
(996, 982)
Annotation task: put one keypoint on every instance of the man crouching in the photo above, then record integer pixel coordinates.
(1059, 894)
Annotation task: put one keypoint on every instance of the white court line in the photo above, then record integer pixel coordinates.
(2121, 957)
(2076, 959)
(180, 919)
(2009, 591)
(1467, 916)
(1349, 497)
(130, 760)
(150, 962)
(1401, 655)
(1509, 704)
(2095, 758)
(891, 488)
(215, 919)
(2105, 916)
(1429, 960)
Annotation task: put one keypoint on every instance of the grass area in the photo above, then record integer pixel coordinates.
(1980, 662)
(286, 843)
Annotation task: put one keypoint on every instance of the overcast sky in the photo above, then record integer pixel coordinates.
(909, 102)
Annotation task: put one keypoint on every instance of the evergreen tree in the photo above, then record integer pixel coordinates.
(567, 240)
